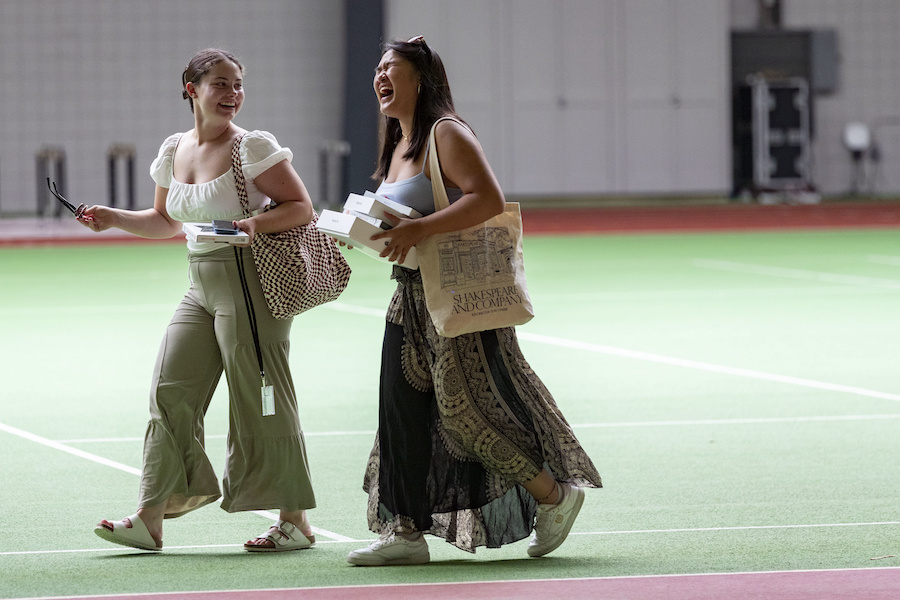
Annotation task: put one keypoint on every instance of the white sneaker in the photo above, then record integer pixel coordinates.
(554, 521)
(391, 549)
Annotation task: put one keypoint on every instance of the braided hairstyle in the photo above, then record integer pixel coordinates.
(200, 65)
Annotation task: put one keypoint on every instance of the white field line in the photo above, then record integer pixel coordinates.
(571, 344)
(803, 274)
(316, 530)
(486, 584)
(68, 311)
(127, 469)
(582, 533)
(611, 425)
(692, 364)
(359, 310)
(746, 421)
(668, 360)
(704, 366)
(884, 259)
(31, 437)
(167, 548)
(708, 294)
(341, 538)
(712, 294)
(210, 436)
(740, 528)
(44, 312)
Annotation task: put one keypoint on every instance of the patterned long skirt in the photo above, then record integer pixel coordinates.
(462, 422)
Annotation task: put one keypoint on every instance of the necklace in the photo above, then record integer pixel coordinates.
(405, 137)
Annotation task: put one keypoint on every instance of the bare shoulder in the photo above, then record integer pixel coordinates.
(450, 129)
(454, 136)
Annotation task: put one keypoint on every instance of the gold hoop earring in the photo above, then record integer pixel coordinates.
(419, 89)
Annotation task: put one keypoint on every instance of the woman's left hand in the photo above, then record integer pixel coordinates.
(248, 226)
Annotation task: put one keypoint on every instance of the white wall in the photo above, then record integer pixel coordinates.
(587, 97)
(869, 87)
(85, 74)
(480, 41)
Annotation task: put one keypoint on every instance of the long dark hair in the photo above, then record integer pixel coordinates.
(435, 101)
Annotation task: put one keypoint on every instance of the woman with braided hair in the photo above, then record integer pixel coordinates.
(212, 330)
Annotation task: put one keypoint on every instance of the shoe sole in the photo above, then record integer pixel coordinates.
(565, 534)
(111, 536)
(363, 561)
(282, 549)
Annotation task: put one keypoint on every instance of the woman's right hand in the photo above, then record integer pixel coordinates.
(151, 223)
(98, 218)
(402, 236)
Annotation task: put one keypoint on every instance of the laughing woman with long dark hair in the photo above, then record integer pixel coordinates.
(471, 446)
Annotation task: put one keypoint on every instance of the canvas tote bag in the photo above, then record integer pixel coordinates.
(474, 279)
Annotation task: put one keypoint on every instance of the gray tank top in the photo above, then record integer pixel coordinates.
(415, 192)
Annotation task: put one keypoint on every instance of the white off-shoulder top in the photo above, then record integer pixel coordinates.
(217, 199)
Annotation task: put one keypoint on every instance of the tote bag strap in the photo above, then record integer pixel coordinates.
(441, 200)
(238, 172)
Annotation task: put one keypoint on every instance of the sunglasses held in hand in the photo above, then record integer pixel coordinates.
(78, 212)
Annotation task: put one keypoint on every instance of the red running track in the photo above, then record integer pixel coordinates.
(847, 584)
(674, 219)
(711, 217)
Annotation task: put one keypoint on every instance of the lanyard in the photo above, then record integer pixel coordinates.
(268, 392)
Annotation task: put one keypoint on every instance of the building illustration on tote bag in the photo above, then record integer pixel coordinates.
(483, 256)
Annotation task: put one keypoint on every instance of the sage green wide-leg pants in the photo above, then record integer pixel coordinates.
(266, 465)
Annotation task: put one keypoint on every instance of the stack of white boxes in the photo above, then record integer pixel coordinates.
(363, 217)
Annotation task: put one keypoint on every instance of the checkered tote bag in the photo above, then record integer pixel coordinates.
(299, 268)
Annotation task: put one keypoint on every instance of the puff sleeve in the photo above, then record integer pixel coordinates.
(161, 168)
(260, 151)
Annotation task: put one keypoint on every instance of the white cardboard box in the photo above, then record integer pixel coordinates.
(369, 219)
(203, 232)
(378, 207)
(356, 232)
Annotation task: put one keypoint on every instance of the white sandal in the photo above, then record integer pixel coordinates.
(284, 536)
(134, 535)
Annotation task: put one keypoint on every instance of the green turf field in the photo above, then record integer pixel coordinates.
(738, 392)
